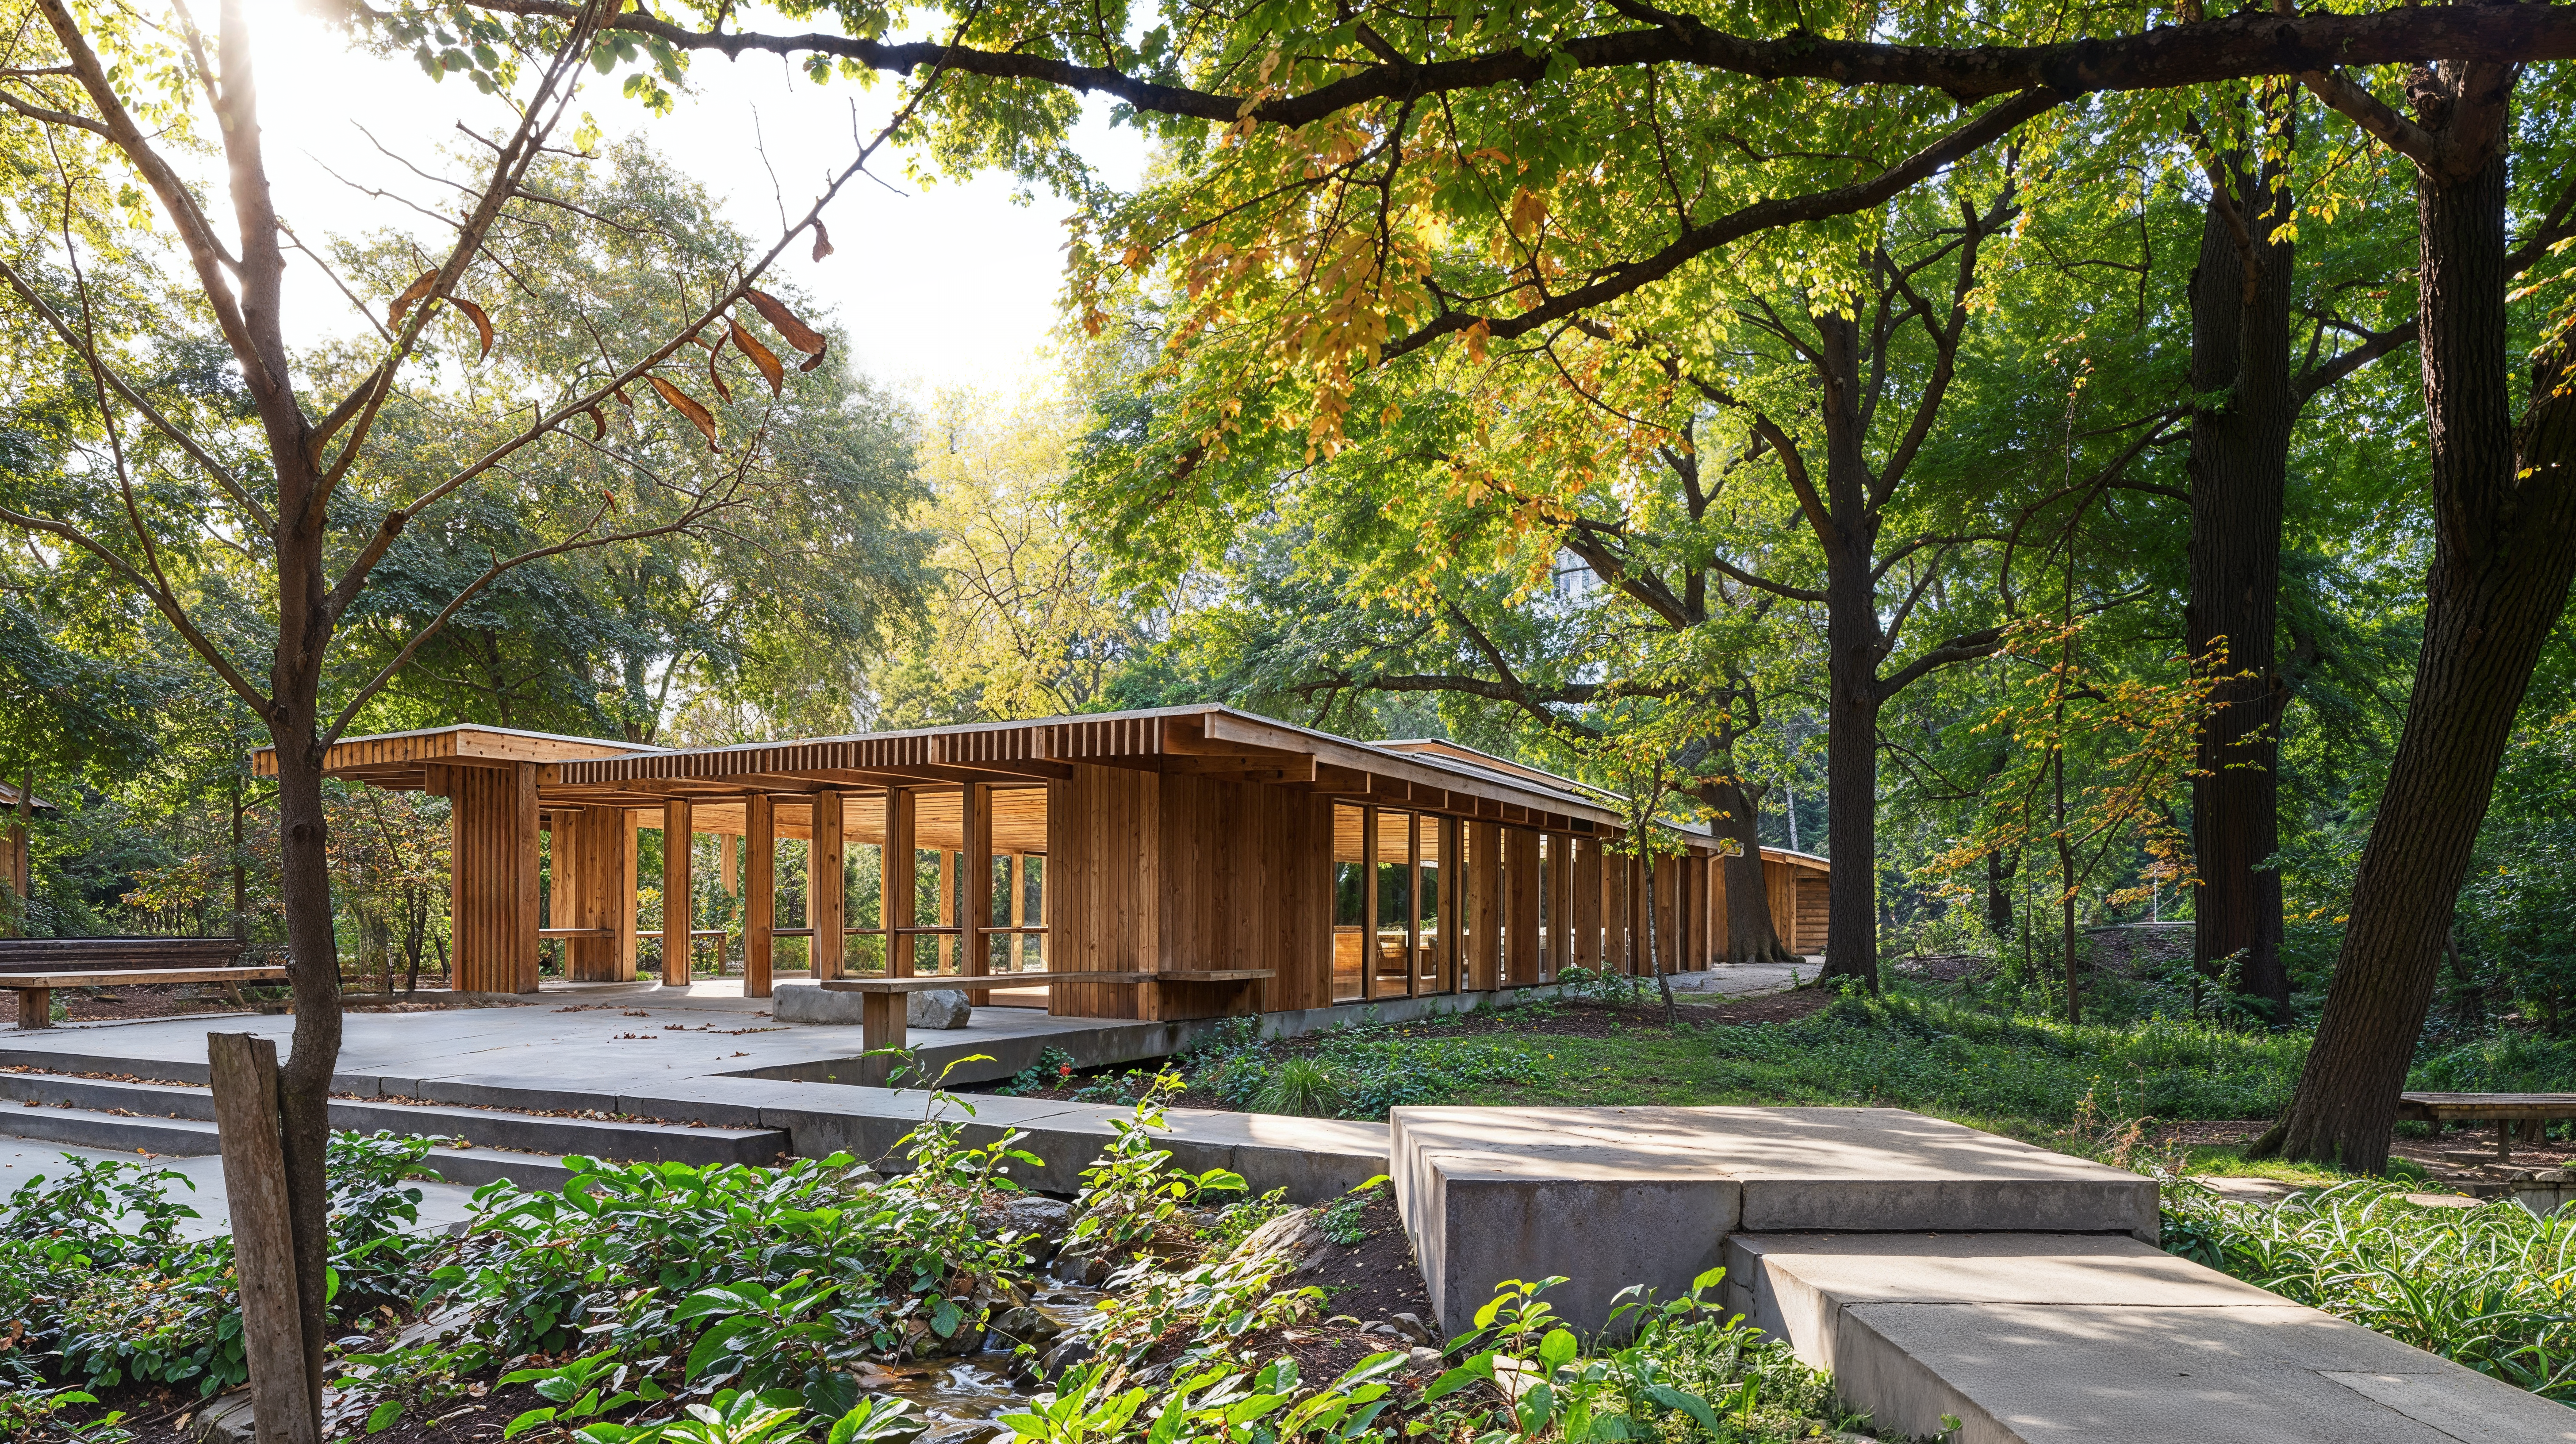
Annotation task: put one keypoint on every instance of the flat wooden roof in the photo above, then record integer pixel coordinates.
(1204, 740)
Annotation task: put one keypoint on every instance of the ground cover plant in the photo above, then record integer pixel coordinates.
(2492, 1287)
(1975, 1056)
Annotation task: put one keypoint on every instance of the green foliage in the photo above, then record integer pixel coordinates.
(2488, 1286)
(35, 1416)
(1357, 1070)
(1339, 1220)
(1212, 1406)
(1052, 1068)
(101, 1305)
(1131, 1194)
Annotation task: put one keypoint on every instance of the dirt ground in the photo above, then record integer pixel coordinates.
(2459, 1153)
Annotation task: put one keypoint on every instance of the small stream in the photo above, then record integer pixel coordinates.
(961, 1396)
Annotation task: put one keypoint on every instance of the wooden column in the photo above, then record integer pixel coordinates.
(975, 951)
(677, 830)
(586, 889)
(1620, 877)
(1019, 910)
(827, 904)
(622, 914)
(1485, 888)
(1520, 932)
(1587, 902)
(899, 909)
(1412, 904)
(760, 890)
(947, 918)
(1368, 903)
(725, 872)
(1453, 903)
(526, 822)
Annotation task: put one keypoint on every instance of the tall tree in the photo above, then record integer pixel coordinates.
(2504, 548)
(119, 97)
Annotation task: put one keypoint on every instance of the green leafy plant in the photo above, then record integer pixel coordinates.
(1339, 1220)
(1052, 1069)
(1131, 1193)
(35, 1416)
(577, 1390)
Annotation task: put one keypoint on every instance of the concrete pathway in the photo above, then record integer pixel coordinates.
(1745, 980)
(442, 1205)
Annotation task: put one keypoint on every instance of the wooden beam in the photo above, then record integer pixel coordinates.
(760, 892)
(826, 886)
(677, 919)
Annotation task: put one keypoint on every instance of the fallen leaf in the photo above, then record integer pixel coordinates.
(761, 356)
(402, 303)
(822, 241)
(681, 402)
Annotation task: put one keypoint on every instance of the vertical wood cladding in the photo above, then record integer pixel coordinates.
(492, 897)
(1104, 882)
(1246, 876)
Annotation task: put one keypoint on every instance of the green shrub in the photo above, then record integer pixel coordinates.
(1300, 1088)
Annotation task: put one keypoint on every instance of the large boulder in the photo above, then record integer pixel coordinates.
(937, 1008)
(1293, 1242)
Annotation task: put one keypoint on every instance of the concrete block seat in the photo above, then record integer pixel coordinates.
(1614, 1197)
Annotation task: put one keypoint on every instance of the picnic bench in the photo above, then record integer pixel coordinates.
(2505, 1110)
(34, 967)
(882, 1022)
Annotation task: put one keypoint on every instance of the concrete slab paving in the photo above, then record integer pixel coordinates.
(2053, 1337)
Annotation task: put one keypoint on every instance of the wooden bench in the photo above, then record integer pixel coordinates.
(2504, 1110)
(35, 988)
(882, 1023)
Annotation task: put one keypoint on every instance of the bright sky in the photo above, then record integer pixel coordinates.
(946, 285)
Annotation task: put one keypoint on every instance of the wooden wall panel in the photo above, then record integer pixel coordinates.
(1104, 864)
(1587, 902)
(1812, 914)
(492, 896)
(1246, 876)
(1722, 942)
(1780, 890)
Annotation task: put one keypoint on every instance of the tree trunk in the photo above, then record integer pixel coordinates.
(2504, 545)
(1752, 934)
(1999, 909)
(2239, 466)
(1852, 639)
(313, 969)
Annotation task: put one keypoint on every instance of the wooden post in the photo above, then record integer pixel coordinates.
(1412, 904)
(760, 891)
(726, 873)
(1368, 903)
(948, 951)
(827, 887)
(1485, 884)
(1521, 935)
(1587, 902)
(976, 850)
(525, 824)
(285, 1374)
(622, 891)
(1019, 912)
(677, 832)
(898, 911)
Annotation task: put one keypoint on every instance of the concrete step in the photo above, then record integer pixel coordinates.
(524, 1132)
(2027, 1337)
(195, 1137)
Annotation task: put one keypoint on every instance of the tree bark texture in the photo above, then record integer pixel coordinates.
(2239, 466)
(1752, 936)
(2504, 506)
(1853, 643)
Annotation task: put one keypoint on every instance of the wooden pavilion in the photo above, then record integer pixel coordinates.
(1152, 845)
